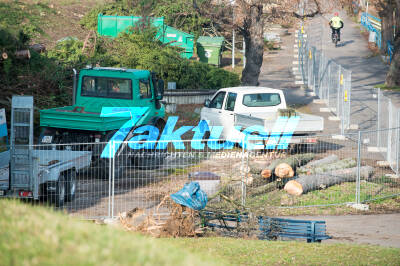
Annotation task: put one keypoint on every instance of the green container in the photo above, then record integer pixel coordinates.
(111, 26)
(209, 49)
(179, 38)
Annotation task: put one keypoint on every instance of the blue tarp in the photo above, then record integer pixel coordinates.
(191, 196)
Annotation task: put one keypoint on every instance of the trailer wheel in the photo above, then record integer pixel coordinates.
(57, 198)
(70, 186)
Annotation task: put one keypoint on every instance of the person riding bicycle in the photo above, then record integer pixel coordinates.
(336, 24)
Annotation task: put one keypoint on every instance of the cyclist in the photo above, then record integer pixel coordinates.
(336, 24)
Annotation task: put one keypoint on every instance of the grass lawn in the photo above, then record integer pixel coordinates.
(383, 87)
(259, 252)
(38, 236)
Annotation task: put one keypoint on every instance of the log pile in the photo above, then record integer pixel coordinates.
(308, 174)
(285, 168)
(306, 183)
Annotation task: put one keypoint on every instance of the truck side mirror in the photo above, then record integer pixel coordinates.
(207, 103)
(160, 89)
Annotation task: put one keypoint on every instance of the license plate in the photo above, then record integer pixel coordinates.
(47, 139)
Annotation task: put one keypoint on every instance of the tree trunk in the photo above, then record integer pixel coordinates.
(307, 183)
(263, 189)
(329, 159)
(387, 28)
(393, 76)
(253, 29)
(328, 167)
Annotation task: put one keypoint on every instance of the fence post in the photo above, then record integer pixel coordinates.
(398, 144)
(349, 101)
(339, 90)
(379, 119)
(314, 58)
(343, 99)
(109, 183)
(329, 84)
(358, 181)
(389, 133)
(244, 170)
(113, 178)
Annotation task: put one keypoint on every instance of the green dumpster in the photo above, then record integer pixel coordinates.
(175, 37)
(209, 49)
(111, 26)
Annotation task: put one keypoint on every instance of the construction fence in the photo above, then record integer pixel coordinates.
(329, 81)
(140, 175)
(332, 84)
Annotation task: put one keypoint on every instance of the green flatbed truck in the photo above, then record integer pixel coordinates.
(94, 89)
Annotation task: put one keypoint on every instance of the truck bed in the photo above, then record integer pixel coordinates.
(71, 117)
(307, 123)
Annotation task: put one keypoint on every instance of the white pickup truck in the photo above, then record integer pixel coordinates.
(238, 108)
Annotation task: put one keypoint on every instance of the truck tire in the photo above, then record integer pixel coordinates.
(57, 198)
(70, 186)
(102, 165)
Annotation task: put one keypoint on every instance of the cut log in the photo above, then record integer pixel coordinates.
(321, 168)
(284, 170)
(329, 159)
(293, 161)
(307, 183)
(263, 189)
(23, 54)
(38, 47)
(4, 55)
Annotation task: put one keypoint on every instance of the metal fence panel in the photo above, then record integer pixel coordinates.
(142, 174)
(383, 182)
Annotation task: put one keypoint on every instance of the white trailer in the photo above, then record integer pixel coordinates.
(28, 171)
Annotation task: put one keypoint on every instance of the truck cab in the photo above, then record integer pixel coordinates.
(100, 87)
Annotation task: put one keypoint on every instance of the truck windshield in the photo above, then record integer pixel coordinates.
(261, 99)
(106, 87)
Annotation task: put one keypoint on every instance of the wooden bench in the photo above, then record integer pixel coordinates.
(272, 228)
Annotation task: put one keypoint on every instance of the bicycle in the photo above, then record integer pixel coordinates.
(335, 38)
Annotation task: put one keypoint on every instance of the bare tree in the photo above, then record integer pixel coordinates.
(393, 76)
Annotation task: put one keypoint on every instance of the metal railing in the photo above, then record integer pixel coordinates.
(329, 172)
(373, 24)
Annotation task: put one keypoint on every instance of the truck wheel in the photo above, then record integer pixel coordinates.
(102, 165)
(70, 186)
(57, 198)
